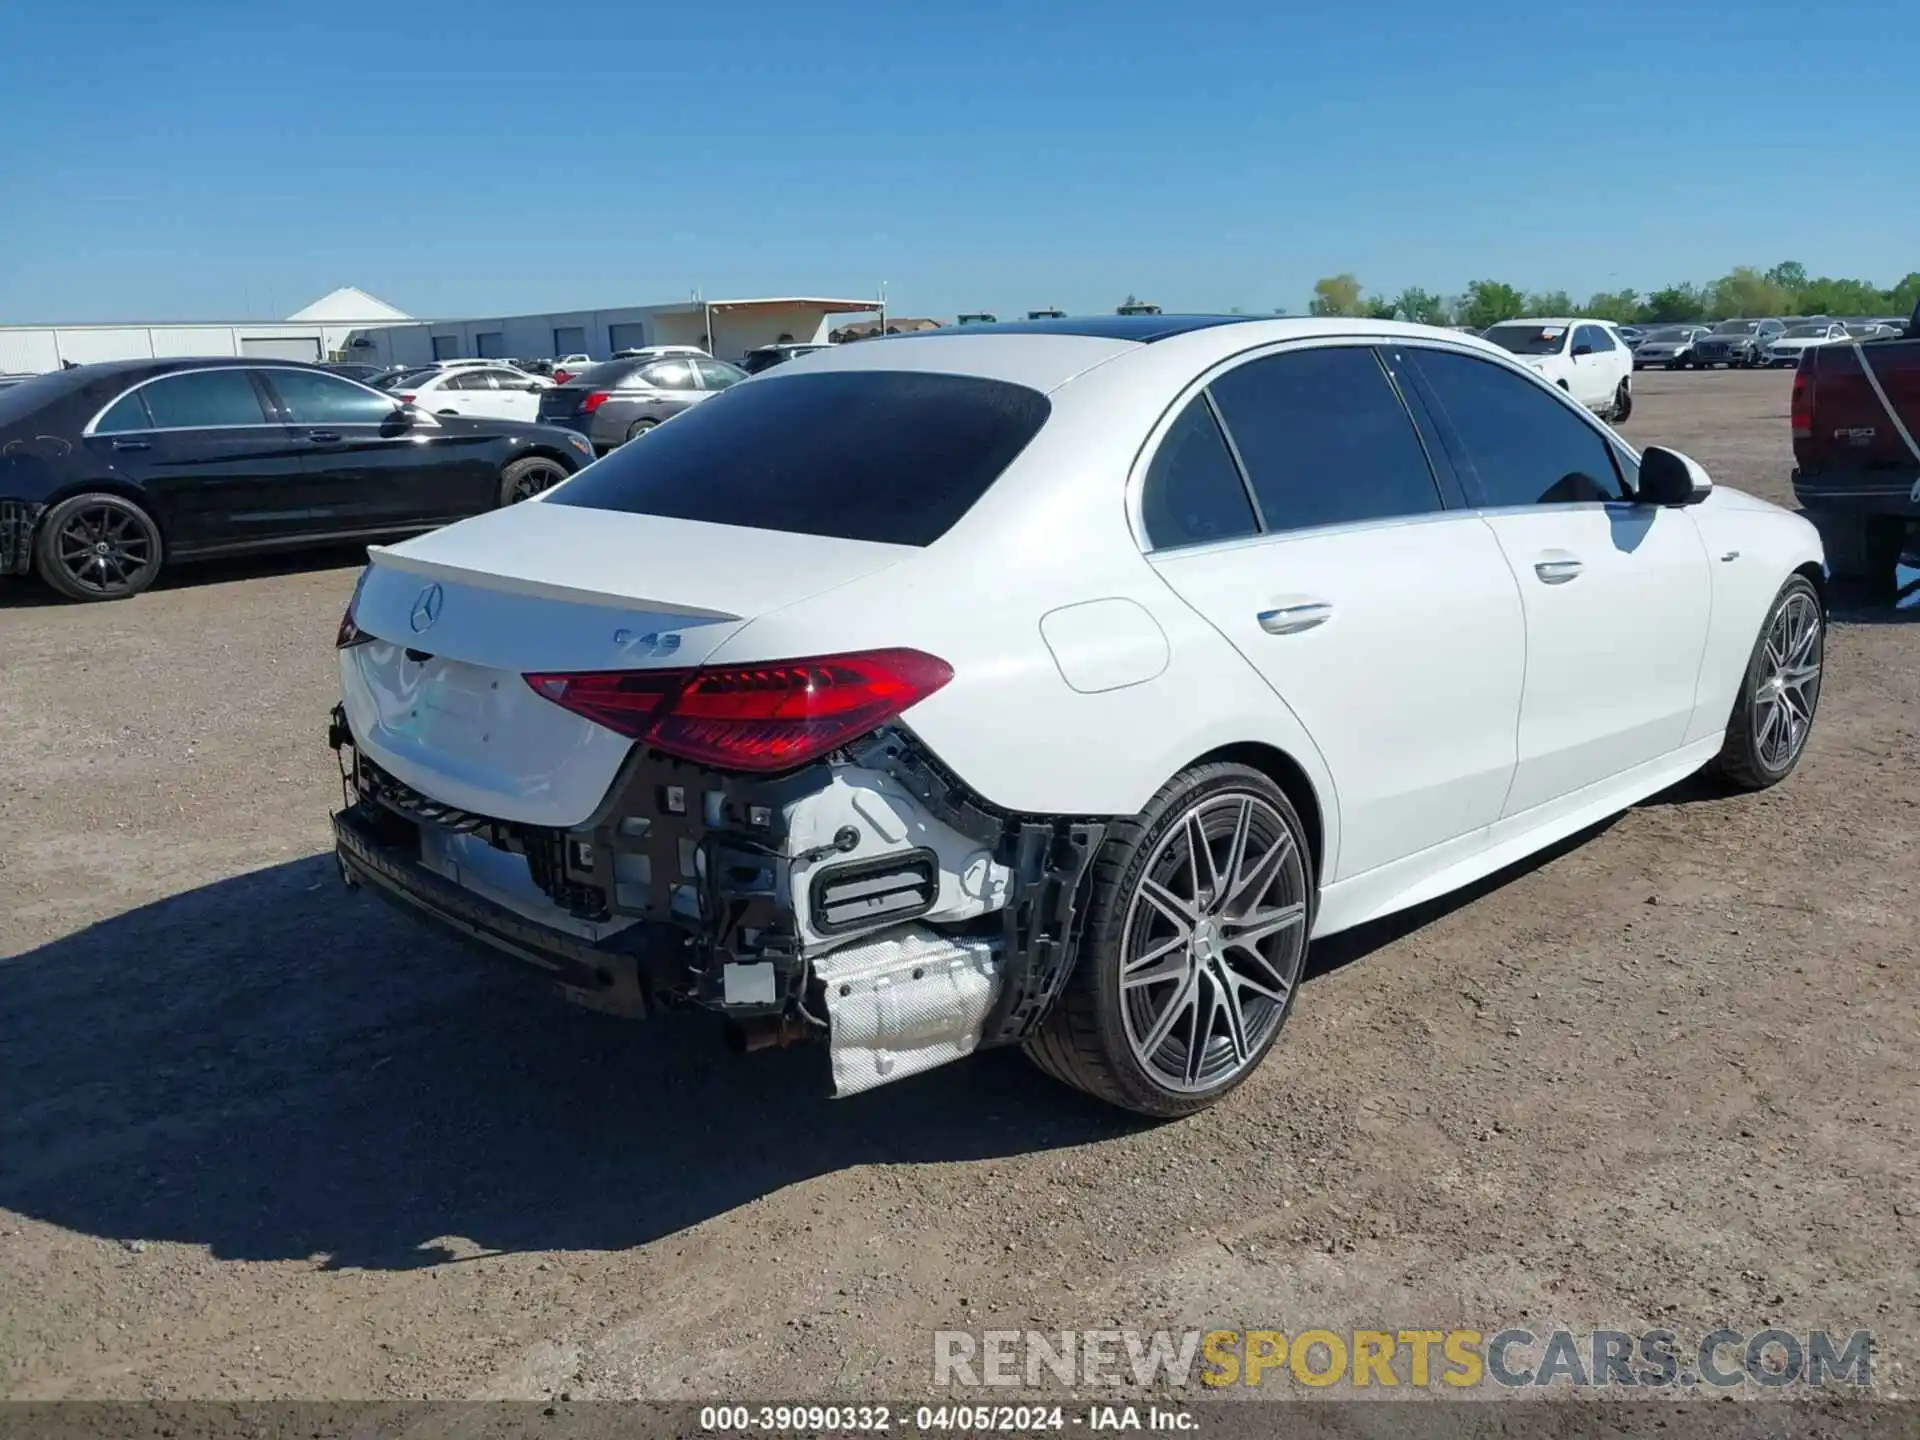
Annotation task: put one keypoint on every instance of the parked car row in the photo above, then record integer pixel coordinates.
(1747, 344)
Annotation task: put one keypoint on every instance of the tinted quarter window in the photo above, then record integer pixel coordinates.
(312, 397)
(1325, 439)
(129, 412)
(880, 455)
(1523, 445)
(206, 397)
(1193, 491)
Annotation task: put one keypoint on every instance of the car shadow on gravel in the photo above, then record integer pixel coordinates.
(279, 1069)
(276, 1068)
(24, 592)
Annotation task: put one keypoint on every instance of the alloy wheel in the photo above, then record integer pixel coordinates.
(539, 475)
(1213, 943)
(1788, 687)
(106, 549)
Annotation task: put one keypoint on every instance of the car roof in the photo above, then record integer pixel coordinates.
(1044, 356)
(1144, 329)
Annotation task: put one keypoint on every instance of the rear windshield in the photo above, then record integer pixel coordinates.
(882, 455)
(607, 373)
(1527, 339)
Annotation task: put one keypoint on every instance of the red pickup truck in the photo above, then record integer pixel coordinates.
(1856, 450)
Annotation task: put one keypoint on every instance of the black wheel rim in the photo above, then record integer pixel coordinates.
(106, 549)
(541, 475)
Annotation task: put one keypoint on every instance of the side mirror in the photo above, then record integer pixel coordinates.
(1669, 478)
(1580, 350)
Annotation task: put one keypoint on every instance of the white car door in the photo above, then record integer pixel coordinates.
(1616, 594)
(1293, 505)
(1595, 367)
(508, 396)
(443, 394)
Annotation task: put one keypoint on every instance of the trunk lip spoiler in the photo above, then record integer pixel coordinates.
(393, 559)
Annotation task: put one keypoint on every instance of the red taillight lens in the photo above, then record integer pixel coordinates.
(560, 377)
(594, 401)
(406, 397)
(350, 633)
(752, 717)
(622, 700)
(1802, 408)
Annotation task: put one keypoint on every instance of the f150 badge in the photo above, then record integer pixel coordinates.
(1859, 435)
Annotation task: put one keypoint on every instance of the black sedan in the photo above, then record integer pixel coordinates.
(108, 472)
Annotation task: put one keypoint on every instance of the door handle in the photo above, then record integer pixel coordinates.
(1292, 619)
(324, 437)
(133, 444)
(1558, 572)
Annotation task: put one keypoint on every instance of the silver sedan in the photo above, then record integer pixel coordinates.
(621, 400)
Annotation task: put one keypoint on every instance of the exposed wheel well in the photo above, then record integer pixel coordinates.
(548, 452)
(131, 493)
(1284, 771)
(1818, 577)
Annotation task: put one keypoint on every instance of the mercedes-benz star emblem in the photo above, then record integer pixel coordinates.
(426, 609)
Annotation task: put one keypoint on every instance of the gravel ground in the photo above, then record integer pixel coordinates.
(260, 1137)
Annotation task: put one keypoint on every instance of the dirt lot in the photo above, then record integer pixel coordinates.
(260, 1137)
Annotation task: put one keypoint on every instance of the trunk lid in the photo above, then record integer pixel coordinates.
(561, 401)
(460, 615)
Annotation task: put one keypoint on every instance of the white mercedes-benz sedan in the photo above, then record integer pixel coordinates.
(1054, 684)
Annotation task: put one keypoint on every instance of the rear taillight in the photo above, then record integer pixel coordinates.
(406, 397)
(594, 401)
(560, 377)
(1802, 408)
(752, 717)
(350, 633)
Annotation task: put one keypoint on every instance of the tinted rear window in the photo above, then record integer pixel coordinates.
(607, 374)
(889, 456)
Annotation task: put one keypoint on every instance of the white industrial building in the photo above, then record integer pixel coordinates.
(321, 330)
(350, 324)
(723, 328)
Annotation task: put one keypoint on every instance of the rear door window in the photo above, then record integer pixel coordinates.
(1325, 439)
(890, 456)
(204, 399)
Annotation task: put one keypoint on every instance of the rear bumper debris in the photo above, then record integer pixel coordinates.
(18, 521)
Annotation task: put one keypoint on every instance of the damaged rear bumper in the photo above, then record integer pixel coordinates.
(870, 900)
(18, 521)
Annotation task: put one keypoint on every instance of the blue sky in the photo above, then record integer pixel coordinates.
(203, 160)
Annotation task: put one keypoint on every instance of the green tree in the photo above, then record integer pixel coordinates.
(1424, 307)
(1789, 275)
(1623, 307)
(1488, 302)
(1745, 293)
(1378, 308)
(1550, 302)
(1675, 303)
(1904, 296)
(1335, 295)
(1826, 296)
